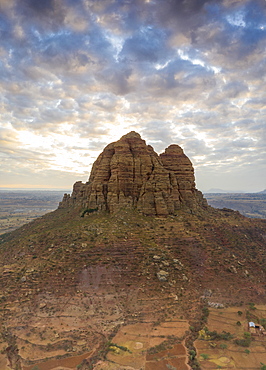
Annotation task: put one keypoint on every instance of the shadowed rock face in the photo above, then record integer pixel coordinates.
(128, 173)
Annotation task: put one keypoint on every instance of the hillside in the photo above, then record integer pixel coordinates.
(123, 288)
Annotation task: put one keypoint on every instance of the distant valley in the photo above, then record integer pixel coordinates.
(248, 204)
(18, 207)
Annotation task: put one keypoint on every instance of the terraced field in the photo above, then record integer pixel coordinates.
(243, 351)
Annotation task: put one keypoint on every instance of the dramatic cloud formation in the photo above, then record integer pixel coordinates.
(78, 74)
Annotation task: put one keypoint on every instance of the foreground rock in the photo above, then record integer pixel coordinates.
(128, 173)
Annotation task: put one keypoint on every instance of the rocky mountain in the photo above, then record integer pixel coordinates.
(124, 274)
(128, 173)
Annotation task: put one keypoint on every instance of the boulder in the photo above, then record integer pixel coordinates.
(162, 275)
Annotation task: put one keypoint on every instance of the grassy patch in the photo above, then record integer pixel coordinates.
(205, 356)
(116, 347)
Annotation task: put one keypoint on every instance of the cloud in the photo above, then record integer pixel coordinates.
(45, 14)
(146, 44)
(116, 78)
(77, 74)
(185, 16)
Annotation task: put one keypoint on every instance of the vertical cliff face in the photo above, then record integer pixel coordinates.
(128, 173)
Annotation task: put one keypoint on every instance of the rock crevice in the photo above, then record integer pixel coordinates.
(128, 173)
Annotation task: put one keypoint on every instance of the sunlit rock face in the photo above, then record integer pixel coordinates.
(128, 173)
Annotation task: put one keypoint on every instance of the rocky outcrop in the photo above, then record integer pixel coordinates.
(128, 173)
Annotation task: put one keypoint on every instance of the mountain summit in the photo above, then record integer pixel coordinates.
(129, 173)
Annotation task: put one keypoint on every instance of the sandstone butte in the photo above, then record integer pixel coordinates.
(129, 173)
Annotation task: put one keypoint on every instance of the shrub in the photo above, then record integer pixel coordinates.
(88, 210)
(239, 313)
(248, 315)
(204, 356)
(213, 335)
(205, 311)
(195, 365)
(223, 346)
(244, 342)
(263, 323)
(247, 334)
(238, 323)
(205, 314)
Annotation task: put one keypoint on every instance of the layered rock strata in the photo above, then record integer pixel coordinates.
(128, 173)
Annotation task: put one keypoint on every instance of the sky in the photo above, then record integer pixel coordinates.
(76, 75)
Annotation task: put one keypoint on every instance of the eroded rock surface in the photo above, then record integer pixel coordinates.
(128, 173)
